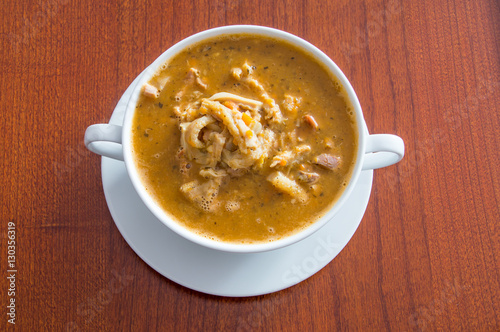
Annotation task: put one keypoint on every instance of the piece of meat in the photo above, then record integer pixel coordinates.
(193, 76)
(159, 82)
(288, 186)
(150, 91)
(236, 73)
(309, 119)
(328, 161)
(307, 177)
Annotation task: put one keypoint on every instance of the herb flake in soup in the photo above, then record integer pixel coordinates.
(244, 138)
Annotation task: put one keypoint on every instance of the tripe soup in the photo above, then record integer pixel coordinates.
(244, 138)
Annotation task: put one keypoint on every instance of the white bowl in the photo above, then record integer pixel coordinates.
(374, 151)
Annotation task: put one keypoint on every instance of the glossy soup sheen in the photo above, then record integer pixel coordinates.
(260, 212)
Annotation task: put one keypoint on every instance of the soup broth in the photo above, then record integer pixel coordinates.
(244, 138)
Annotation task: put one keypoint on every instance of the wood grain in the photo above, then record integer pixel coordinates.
(425, 256)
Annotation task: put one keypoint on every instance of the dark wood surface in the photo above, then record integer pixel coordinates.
(425, 256)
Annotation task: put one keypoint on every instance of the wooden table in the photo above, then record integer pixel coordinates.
(425, 256)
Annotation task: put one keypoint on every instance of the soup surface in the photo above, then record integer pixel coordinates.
(244, 138)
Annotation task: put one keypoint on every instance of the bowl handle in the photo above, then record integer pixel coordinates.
(105, 139)
(383, 150)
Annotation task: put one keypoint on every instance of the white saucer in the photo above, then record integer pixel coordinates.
(219, 273)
